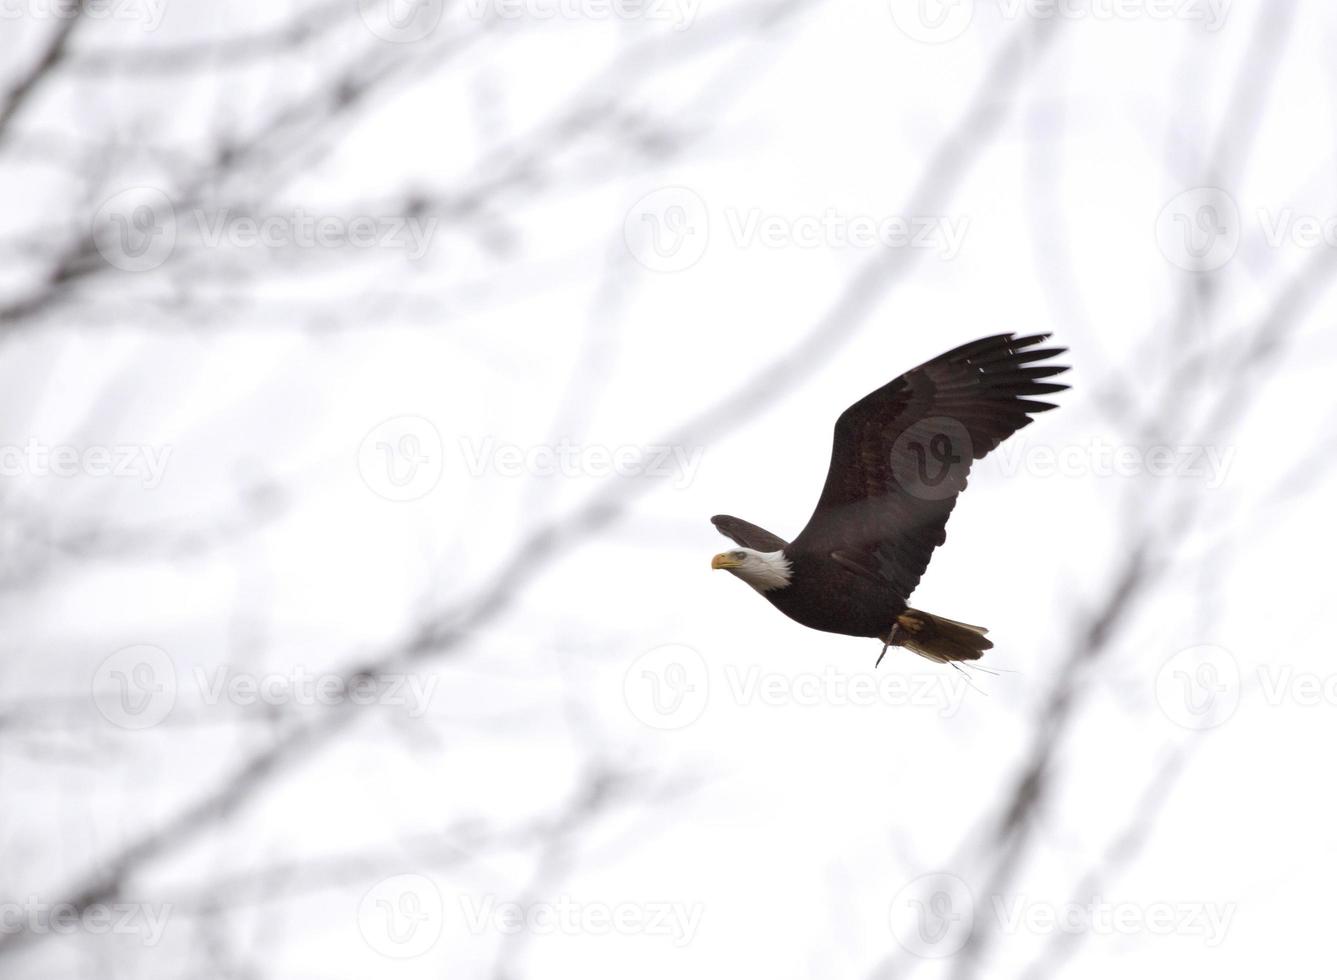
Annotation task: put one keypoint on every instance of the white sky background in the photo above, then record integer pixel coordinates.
(541, 316)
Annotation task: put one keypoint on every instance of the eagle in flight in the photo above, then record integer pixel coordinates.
(899, 460)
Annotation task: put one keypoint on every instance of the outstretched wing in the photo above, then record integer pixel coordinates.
(748, 535)
(901, 455)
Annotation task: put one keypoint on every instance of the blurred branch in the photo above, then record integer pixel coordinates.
(1155, 537)
(1118, 855)
(45, 66)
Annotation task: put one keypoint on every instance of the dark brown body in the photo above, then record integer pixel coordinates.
(824, 596)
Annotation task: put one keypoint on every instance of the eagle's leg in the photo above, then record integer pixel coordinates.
(888, 641)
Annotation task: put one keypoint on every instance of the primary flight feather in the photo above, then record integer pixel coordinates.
(899, 460)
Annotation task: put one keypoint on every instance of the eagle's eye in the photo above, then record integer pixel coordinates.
(739, 556)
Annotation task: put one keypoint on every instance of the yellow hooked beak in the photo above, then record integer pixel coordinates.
(724, 560)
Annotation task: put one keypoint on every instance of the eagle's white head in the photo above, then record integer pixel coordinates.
(763, 570)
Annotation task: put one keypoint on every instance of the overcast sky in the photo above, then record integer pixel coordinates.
(369, 378)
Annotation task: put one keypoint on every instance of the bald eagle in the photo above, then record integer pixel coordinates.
(899, 460)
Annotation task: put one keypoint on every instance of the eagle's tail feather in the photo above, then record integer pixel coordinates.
(937, 638)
